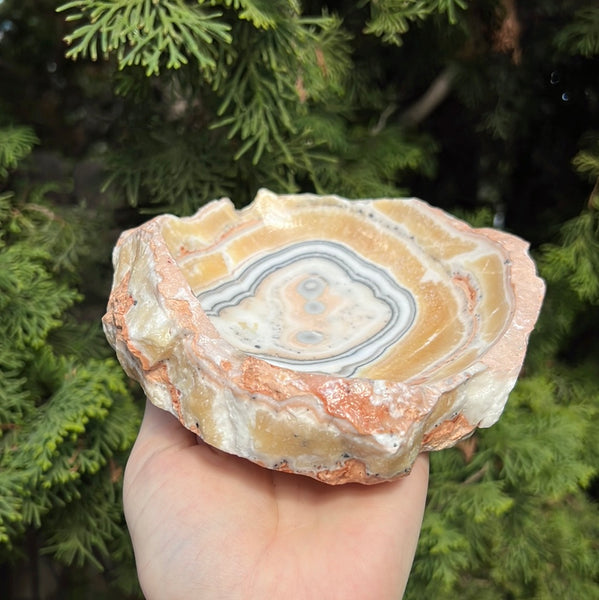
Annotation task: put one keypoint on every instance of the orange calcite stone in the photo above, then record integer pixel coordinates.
(321, 336)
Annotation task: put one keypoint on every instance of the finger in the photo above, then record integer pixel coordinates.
(404, 500)
(160, 435)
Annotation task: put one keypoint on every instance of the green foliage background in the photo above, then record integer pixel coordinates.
(488, 109)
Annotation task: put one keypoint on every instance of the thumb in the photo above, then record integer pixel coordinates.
(159, 431)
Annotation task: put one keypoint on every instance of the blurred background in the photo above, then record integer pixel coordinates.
(112, 111)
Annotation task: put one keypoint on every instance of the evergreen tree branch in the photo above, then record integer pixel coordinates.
(263, 97)
(153, 34)
(15, 144)
(263, 14)
(29, 298)
(64, 419)
(581, 36)
(391, 19)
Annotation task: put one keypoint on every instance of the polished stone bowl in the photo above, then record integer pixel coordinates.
(323, 336)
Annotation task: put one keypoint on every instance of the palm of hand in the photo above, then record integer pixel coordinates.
(208, 525)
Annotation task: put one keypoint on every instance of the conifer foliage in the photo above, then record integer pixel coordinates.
(268, 93)
(489, 109)
(65, 418)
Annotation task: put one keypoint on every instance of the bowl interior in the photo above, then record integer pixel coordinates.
(386, 289)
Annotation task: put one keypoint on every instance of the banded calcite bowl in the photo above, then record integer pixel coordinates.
(321, 336)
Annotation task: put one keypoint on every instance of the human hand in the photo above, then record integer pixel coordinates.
(208, 525)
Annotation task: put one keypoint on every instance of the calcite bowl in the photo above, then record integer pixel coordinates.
(315, 335)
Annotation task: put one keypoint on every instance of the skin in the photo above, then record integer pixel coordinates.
(208, 525)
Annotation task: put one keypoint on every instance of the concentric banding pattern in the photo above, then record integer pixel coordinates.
(400, 291)
(311, 306)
